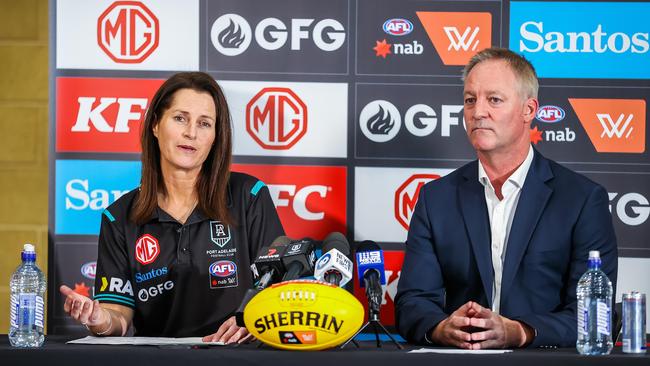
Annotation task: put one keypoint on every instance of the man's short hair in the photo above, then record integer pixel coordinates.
(522, 68)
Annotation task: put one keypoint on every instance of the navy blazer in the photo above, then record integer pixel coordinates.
(560, 217)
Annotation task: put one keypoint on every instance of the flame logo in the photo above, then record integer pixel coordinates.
(381, 122)
(231, 36)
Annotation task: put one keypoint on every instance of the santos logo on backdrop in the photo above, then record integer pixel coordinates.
(84, 188)
(385, 198)
(288, 119)
(311, 39)
(101, 114)
(611, 42)
(310, 200)
(135, 35)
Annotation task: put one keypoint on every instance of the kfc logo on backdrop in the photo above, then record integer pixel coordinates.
(310, 200)
(613, 125)
(457, 36)
(147, 249)
(393, 260)
(101, 115)
(128, 32)
(276, 118)
(406, 197)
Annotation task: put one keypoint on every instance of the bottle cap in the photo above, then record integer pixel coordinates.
(594, 254)
(28, 248)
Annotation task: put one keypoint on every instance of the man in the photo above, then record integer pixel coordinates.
(496, 248)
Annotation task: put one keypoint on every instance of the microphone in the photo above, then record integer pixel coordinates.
(268, 267)
(298, 259)
(370, 269)
(334, 266)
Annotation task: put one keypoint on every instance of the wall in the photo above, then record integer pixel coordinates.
(23, 137)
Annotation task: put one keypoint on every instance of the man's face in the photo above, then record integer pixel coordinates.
(497, 115)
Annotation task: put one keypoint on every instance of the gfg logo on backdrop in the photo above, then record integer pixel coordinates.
(563, 43)
(231, 34)
(101, 114)
(84, 188)
(276, 118)
(310, 200)
(128, 32)
(244, 35)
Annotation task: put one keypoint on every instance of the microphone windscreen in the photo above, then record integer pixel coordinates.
(281, 241)
(367, 246)
(336, 241)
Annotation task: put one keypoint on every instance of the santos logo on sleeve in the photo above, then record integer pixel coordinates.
(127, 34)
(613, 125)
(101, 115)
(310, 200)
(84, 188)
(583, 39)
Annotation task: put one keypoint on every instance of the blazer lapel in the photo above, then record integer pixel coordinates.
(477, 223)
(534, 197)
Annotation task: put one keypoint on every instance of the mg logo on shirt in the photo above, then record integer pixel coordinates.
(147, 249)
(128, 32)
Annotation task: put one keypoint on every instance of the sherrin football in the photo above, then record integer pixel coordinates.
(303, 315)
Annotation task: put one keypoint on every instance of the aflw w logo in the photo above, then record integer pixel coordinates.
(611, 128)
(626, 134)
(457, 36)
(463, 41)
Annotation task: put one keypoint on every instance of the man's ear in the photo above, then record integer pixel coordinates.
(530, 109)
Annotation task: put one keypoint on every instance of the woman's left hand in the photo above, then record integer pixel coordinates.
(230, 332)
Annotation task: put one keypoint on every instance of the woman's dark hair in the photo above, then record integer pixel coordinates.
(213, 178)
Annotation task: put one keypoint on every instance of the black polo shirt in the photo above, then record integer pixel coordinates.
(184, 279)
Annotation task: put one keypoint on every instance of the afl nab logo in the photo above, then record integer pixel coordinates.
(380, 121)
(406, 197)
(146, 249)
(127, 32)
(276, 118)
(231, 34)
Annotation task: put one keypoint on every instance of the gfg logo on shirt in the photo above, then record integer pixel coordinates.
(562, 42)
(84, 188)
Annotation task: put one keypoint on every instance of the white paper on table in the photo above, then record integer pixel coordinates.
(145, 341)
(461, 351)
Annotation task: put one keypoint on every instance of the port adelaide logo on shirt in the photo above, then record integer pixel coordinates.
(219, 233)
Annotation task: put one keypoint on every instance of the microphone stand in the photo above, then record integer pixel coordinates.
(373, 320)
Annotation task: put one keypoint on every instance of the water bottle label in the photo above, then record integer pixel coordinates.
(603, 322)
(13, 310)
(583, 318)
(27, 307)
(39, 316)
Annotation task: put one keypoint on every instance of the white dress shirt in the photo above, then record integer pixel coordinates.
(501, 213)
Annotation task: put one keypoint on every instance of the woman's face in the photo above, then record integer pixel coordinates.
(186, 130)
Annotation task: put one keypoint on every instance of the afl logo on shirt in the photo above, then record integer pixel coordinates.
(223, 274)
(146, 249)
(219, 233)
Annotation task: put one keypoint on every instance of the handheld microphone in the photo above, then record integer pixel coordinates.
(268, 268)
(334, 266)
(298, 259)
(370, 269)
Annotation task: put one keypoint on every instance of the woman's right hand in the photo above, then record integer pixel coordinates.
(84, 310)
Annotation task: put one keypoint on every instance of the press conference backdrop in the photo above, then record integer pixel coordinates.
(345, 108)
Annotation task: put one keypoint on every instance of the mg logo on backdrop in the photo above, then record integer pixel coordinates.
(406, 197)
(613, 125)
(457, 36)
(310, 200)
(147, 249)
(276, 118)
(128, 32)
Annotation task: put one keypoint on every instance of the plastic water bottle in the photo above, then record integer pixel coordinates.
(594, 292)
(27, 308)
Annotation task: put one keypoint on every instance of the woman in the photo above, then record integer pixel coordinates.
(174, 254)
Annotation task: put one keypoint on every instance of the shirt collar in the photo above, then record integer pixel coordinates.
(518, 177)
